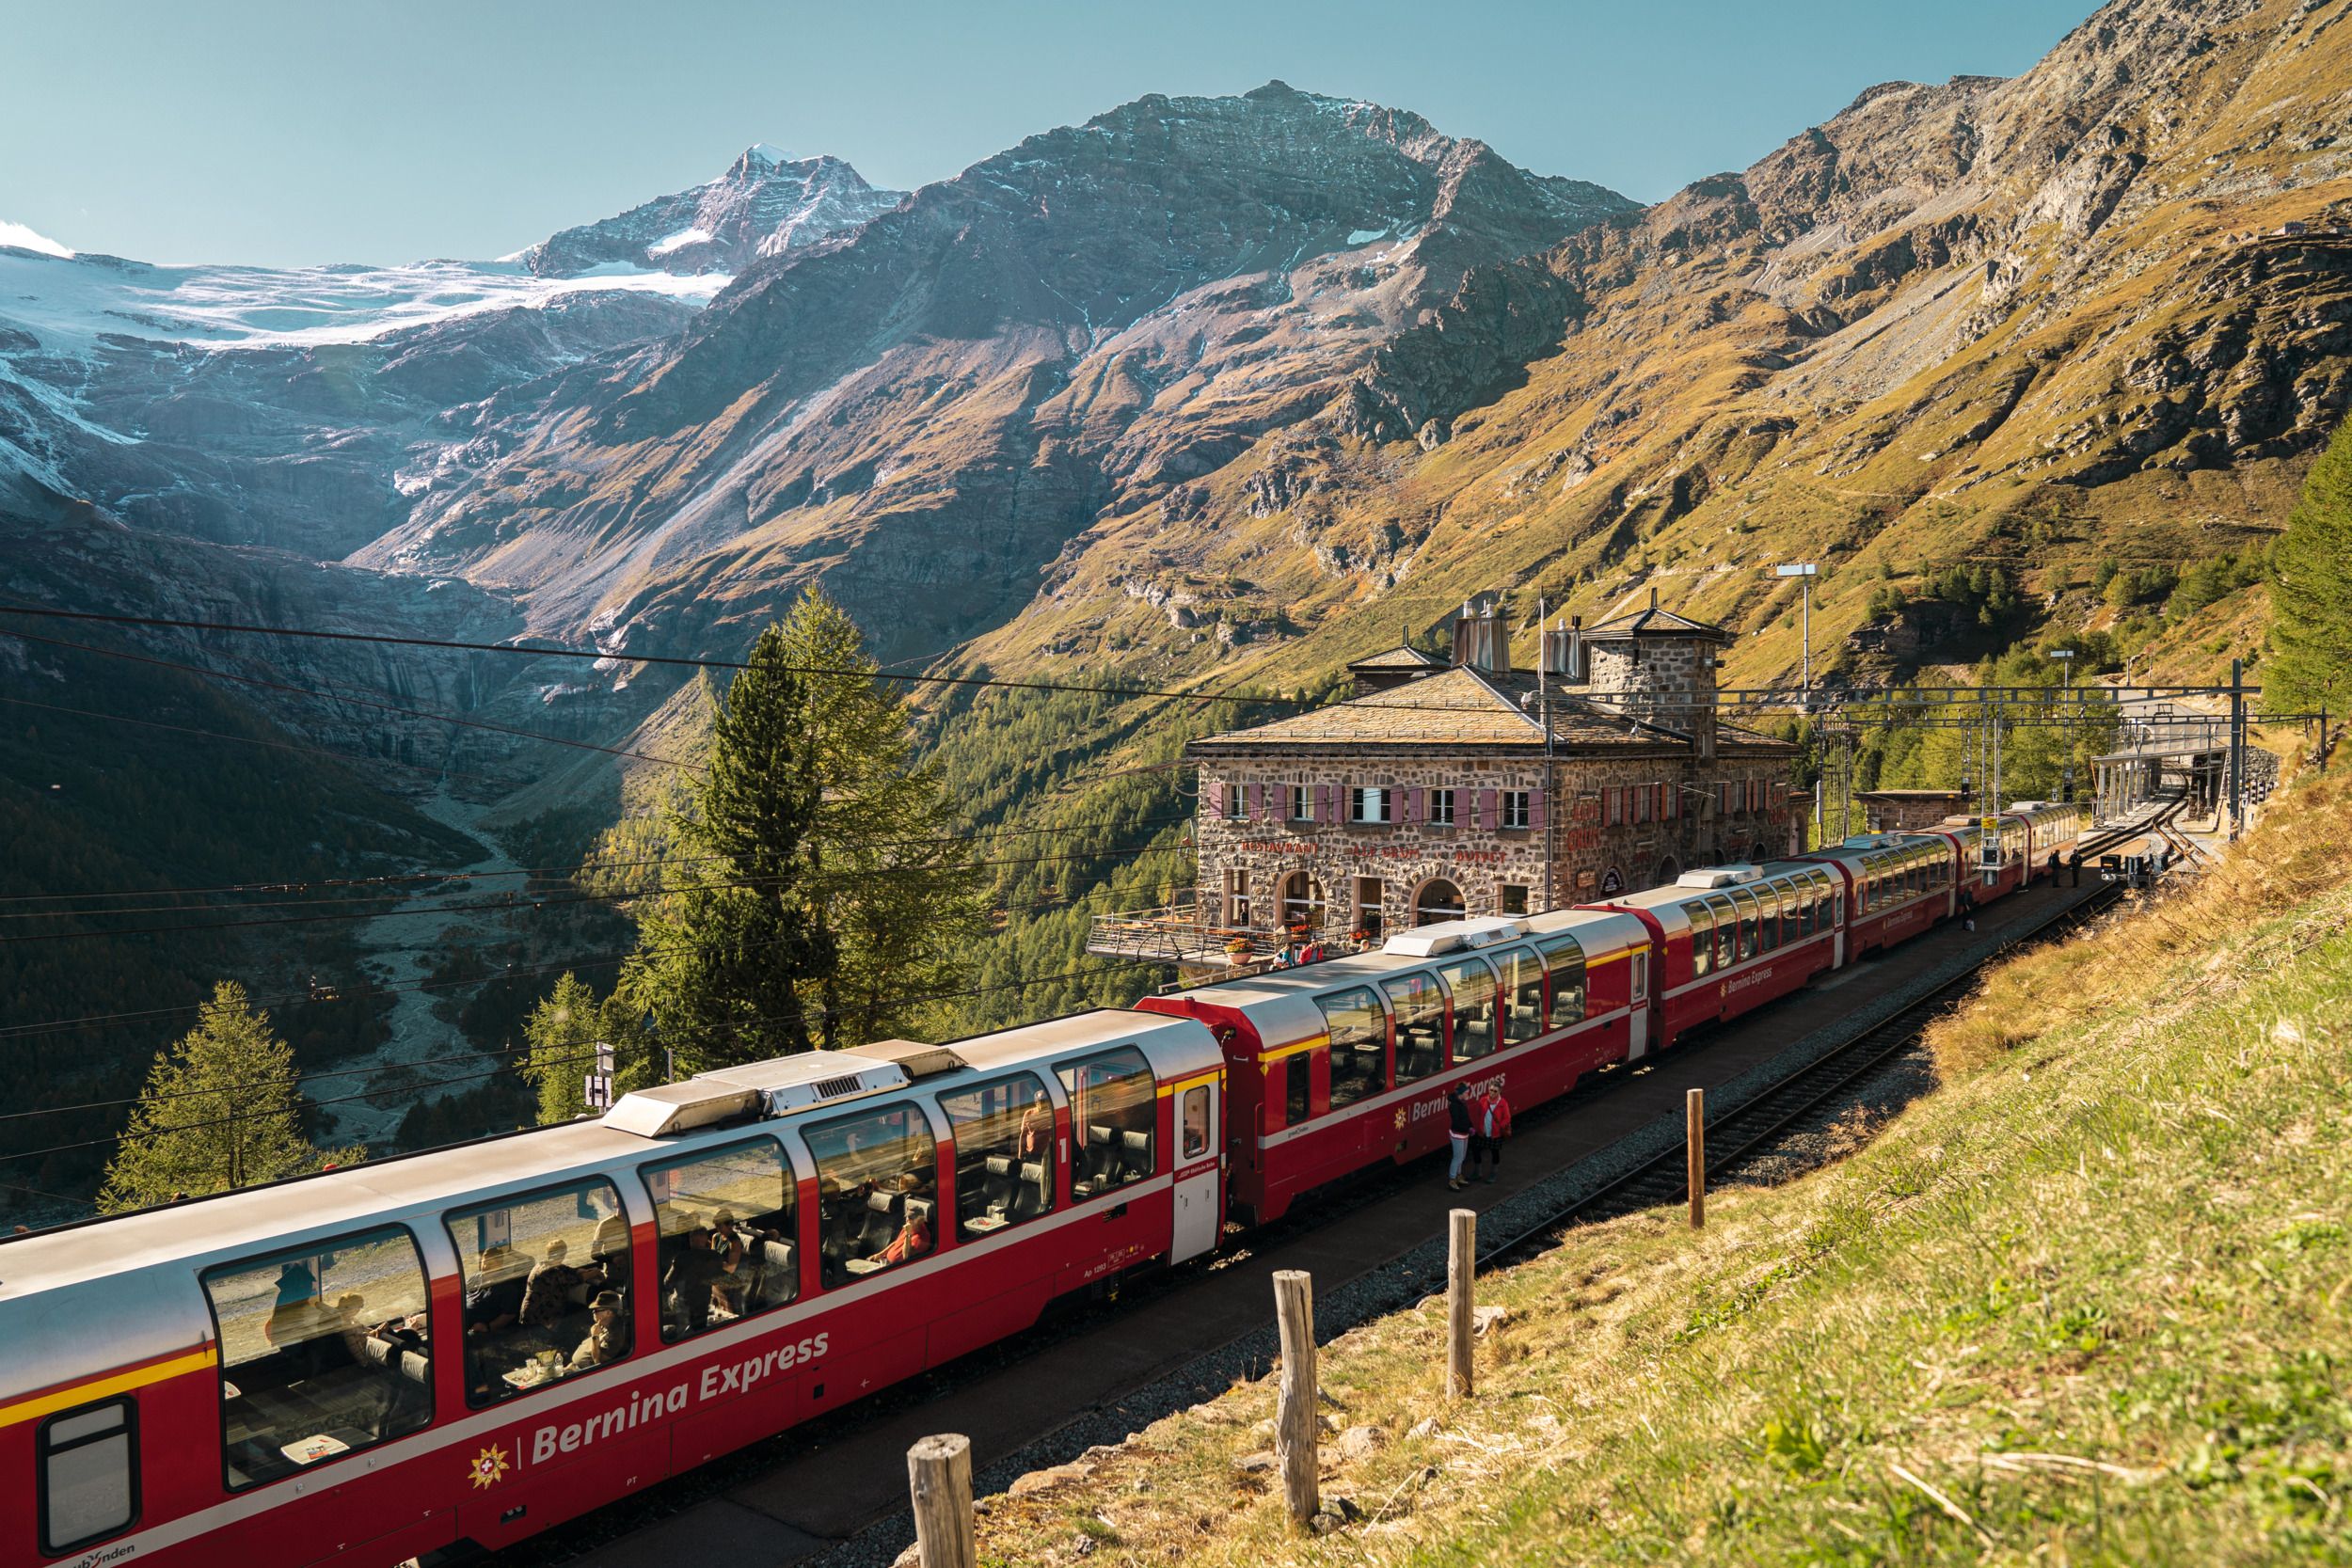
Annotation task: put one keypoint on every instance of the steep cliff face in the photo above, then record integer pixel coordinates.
(923, 411)
(2101, 310)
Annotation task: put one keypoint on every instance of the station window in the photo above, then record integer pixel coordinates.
(877, 1192)
(1114, 1103)
(1236, 799)
(1371, 898)
(1368, 804)
(1441, 808)
(1564, 963)
(1515, 812)
(1004, 1133)
(324, 1350)
(727, 1246)
(1523, 996)
(1302, 802)
(1419, 1008)
(88, 1465)
(1297, 1087)
(1474, 986)
(1702, 939)
(1512, 898)
(547, 1282)
(1195, 1121)
(1359, 1045)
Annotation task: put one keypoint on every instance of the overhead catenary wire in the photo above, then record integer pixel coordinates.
(255, 740)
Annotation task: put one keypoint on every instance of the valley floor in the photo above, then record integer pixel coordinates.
(2088, 1302)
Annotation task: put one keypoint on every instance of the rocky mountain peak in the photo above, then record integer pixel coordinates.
(767, 203)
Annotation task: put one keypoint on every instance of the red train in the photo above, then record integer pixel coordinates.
(471, 1345)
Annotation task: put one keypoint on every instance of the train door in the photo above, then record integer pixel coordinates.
(1199, 1171)
(1637, 1025)
(1837, 919)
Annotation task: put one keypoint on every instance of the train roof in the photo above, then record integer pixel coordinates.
(334, 1202)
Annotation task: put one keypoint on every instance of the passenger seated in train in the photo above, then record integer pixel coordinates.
(728, 1244)
(1003, 1153)
(876, 1173)
(494, 1302)
(689, 1282)
(509, 1354)
(608, 1338)
(548, 1288)
(303, 1375)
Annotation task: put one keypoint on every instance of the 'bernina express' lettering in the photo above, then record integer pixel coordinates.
(717, 1380)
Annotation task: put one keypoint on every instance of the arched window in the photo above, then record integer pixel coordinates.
(1300, 901)
(1436, 900)
(1668, 869)
(1760, 852)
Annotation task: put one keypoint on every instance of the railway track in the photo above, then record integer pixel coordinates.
(1739, 1136)
(1761, 1122)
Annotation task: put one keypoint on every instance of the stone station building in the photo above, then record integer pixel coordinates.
(1441, 790)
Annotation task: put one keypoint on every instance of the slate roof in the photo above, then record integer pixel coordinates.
(1400, 658)
(1653, 622)
(1461, 707)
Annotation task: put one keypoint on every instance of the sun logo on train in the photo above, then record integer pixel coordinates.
(488, 1467)
(1399, 1118)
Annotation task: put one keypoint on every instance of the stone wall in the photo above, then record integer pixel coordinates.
(1669, 681)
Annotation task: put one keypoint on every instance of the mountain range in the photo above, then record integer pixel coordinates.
(1228, 389)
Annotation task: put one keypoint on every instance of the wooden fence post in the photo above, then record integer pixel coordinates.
(1694, 1140)
(1296, 1424)
(1461, 1266)
(939, 1475)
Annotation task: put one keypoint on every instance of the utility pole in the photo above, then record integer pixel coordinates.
(1543, 715)
(2237, 746)
(1804, 572)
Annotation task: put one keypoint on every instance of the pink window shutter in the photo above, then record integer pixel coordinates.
(1258, 800)
(1326, 803)
(1489, 814)
(1415, 810)
(1216, 796)
(1535, 809)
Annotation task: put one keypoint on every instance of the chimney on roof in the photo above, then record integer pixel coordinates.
(1563, 650)
(1481, 640)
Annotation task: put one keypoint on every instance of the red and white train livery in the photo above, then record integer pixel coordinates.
(467, 1346)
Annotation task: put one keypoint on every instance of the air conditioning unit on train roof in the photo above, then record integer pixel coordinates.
(1719, 875)
(771, 1088)
(1452, 936)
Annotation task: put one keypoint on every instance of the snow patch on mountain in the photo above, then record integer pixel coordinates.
(23, 238)
(68, 303)
(766, 203)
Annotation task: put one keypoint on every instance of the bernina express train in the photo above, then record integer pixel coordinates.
(463, 1347)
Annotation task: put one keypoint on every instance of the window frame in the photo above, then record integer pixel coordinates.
(1546, 949)
(1384, 1033)
(1509, 893)
(1507, 994)
(1446, 968)
(301, 1249)
(1701, 915)
(1052, 1148)
(510, 1200)
(1360, 795)
(1517, 813)
(1298, 1085)
(1183, 1127)
(1298, 802)
(910, 1102)
(129, 1432)
(792, 1199)
(1062, 1068)
(1441, 807)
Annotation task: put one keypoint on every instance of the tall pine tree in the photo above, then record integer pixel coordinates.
(732, 953)
(2310, 590)
(220, 1110)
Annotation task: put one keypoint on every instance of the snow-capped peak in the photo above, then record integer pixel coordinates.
(768, 202)
(766, 153)
(22, 238)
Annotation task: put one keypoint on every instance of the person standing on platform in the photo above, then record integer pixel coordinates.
(1490, 1123)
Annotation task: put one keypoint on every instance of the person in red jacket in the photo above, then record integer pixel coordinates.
(1490, 1123)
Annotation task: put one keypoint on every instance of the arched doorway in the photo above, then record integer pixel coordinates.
(1761, 853)
(1668, 869)
(1436, 900)
(1299, 901)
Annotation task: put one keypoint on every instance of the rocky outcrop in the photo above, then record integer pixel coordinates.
(766, 204)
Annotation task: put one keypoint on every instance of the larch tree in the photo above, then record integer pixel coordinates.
(562, 1035)
(2310, 590)
(221, 1110)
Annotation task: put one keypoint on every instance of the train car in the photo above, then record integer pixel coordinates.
(1896, 885)
(1984, 877)
(1731, 938)
(473, 1344)
(1344, 1064)
(2053, 828)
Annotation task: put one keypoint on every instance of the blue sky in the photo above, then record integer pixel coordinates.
(281, 133)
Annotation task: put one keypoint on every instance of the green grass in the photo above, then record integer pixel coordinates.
(2084, 1303)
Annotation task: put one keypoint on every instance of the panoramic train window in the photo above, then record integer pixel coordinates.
(324, 1349)
(1702, 939)
(1358, 1044)
(1766, 916)
(1523, 995)
(1726, 917)
(1420, 1024)
(547, 1280)
(1298, 1074)
(1563, 960)
(1004, 1134)
(877, 1191)
(1744, 900)
(727, 1247)
(1809, 908)
(1114, 1107)
(88, 1465)
(1474, 986)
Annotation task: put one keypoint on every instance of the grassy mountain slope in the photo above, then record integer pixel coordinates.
(2084, 1303)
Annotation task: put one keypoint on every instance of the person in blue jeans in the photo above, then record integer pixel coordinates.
(1457, 1108)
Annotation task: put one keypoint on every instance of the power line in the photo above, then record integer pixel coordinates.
(203, 672)
(515, 903)
(251, 739)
